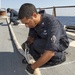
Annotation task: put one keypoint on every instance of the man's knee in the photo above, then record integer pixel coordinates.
(39, 45)
(13, 18)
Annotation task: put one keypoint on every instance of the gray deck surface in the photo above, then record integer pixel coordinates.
(10, 58)
(67, 68)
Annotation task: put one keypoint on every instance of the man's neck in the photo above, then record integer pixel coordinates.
(40, 18)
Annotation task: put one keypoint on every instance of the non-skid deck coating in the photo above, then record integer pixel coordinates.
(10, 58)
(67, 68)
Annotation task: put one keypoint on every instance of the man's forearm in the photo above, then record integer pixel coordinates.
(30, 39)
(43, 59)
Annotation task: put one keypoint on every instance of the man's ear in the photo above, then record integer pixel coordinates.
(34, 15)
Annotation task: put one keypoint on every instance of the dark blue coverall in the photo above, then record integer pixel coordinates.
(49, 35)
(13, 16)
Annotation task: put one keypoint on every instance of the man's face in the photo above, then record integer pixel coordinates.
(9, 11)
(30, 22)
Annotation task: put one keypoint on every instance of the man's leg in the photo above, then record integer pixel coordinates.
(58, 58)
(37, 48)
(34, 53)
(14, 20)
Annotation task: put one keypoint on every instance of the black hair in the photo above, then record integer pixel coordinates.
(26, 10)
(8, 9)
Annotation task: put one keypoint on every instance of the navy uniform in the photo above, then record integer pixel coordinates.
(13, 16)
(49, 35)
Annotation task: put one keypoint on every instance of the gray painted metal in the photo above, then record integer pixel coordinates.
(10, 58)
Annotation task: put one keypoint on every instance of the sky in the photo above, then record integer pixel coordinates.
(38, 3)
(16, 4)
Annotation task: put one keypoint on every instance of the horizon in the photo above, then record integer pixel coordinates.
(42, 4)
(38, 4)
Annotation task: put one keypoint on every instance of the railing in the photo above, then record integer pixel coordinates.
(66, 14)
(54, 8)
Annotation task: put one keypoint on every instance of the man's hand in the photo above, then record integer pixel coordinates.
(29, 69)
(28, 42)
(24, 45)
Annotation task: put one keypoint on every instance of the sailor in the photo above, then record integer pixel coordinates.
(47, 39)
(13, 16)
